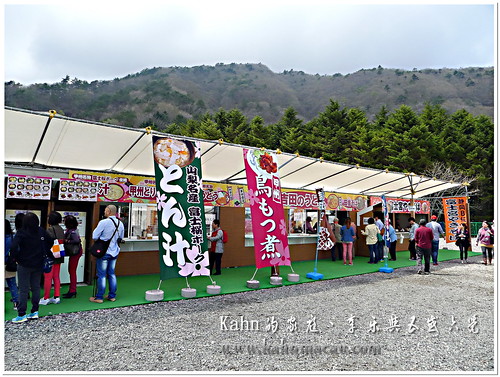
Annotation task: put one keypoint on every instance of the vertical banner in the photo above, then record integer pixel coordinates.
(386, 221)
(181, 214)
(455, 213)
(266, 206)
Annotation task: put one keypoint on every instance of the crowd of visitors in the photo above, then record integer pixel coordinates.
(30, 252)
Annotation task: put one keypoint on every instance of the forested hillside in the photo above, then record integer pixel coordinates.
(430, 122)
(401, 140)
(165, 95)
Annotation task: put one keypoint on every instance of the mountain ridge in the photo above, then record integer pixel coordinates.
(163, 95)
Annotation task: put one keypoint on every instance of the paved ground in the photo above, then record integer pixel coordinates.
(375, 322)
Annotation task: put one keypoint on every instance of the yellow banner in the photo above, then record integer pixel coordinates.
(120, 187)
(224, 195)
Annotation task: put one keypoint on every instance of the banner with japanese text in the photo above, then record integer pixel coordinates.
(422, 207)
(120, 187)
(334, 201)
(224, 195)
(181, 215)
(266, 207)
(455, 213)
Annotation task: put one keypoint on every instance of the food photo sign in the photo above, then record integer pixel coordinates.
(28, 187)
(79, 190)
(181, 214)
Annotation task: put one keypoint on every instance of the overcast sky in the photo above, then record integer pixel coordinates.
(107, 39)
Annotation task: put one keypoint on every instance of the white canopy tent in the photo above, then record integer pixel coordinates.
(47, 140)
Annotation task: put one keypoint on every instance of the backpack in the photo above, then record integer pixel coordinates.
(224, 236)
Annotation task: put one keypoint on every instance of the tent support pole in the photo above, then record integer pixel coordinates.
(52, 114)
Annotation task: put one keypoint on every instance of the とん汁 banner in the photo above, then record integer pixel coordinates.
(455, 213)
(266, 207)
(181, 214)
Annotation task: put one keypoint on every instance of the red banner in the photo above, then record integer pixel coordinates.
(266, 207)
(455, 213)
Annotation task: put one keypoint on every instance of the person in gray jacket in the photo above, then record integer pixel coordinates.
(217, 247)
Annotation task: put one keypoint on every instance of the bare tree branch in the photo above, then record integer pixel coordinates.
(444, 172)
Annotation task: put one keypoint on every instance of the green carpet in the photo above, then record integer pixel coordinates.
(131, 289)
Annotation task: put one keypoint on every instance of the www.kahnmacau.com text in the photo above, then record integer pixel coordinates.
(300, 350)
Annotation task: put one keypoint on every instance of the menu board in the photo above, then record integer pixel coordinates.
(28, 187)
(78, 189)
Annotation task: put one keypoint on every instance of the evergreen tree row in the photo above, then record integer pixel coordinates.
(402, 141)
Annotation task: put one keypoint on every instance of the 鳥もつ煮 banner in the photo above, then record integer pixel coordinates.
(455, 213)
(181, 214)
(266, 207)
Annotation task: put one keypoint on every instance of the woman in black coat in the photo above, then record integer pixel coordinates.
(463, 241)
(29, 248)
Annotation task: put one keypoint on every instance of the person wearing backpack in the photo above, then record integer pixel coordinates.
(218, 238)
(55, 232)
(29, 248)
(73, 238)
(111, 229)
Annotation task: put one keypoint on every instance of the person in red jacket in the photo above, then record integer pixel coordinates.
(423, 240)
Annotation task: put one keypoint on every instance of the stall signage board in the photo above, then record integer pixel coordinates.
(455, 213)
(28, 187)
(334, 201)
(266, 206)
(120, 187)
(224, 195)
(78, 190)
(181, 227)
(422, 207)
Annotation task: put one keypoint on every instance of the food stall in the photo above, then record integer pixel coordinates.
(75, 155)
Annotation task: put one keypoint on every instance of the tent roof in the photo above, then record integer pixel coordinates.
(84, 145)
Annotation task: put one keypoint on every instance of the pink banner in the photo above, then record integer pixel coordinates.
(266, 206)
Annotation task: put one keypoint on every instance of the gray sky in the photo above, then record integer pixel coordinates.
(106, 39)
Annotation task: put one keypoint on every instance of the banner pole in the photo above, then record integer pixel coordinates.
(255, 273)
(315, 275)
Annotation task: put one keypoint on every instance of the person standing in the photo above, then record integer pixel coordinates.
(347, 235)
(411, 246)
(10, 276)
(393, 238)
(380, 239)
(336, 231)
(437, 231)
(216, 247)
(55, 232)
(29, 248)
(371, 231)
(112, 229)
(423, 240)
(308, 226)
(463, 241)
(71, 234)
(485, 238)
